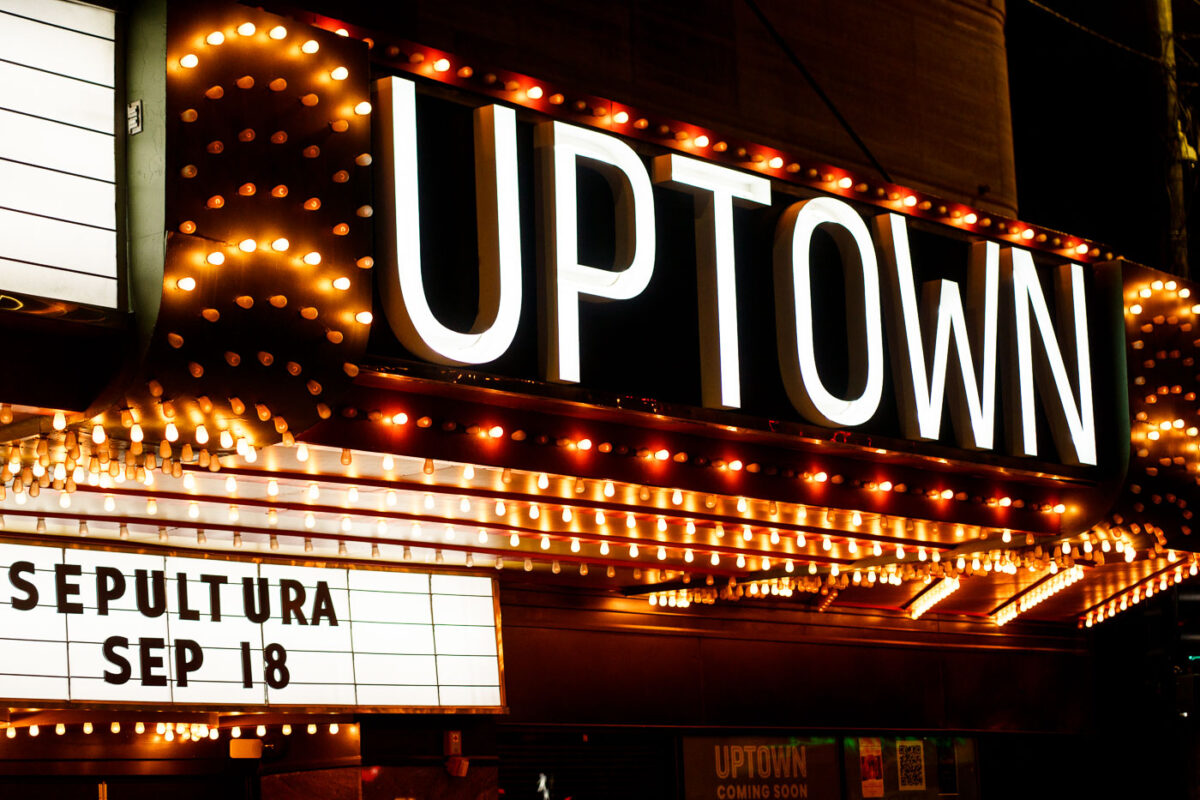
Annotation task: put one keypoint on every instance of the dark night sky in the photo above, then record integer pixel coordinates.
(1088, 121)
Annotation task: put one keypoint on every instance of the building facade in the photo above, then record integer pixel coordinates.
(637, 400)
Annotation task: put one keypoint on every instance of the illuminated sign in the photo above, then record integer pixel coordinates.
(943, 349)
(58, 206)
(93, 626)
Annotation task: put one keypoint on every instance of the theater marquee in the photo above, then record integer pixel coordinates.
(96, 626)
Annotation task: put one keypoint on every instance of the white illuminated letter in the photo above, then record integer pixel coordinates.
(717, 189)
(1072, 425)
(794, 313)
(566, 280)
(496, 199)
(919, 390)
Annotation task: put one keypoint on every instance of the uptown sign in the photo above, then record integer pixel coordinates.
(943, 342)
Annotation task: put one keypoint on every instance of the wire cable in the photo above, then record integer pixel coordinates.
(791, 56)
(1106, 39)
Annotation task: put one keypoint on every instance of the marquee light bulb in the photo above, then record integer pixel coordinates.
(312, 259)
(33, 730)
(514, 540)
(310, 47)
(364, 317)
(341, 284)
(363, 108)
(216, 258)
(172, 433)
(280, 245)
(189, 61)
(339, 73)
(98, 435)
(246, 29)
(201, 435)
(441, 65)
(278, 32)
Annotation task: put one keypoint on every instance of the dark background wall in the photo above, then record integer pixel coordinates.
(924, 83)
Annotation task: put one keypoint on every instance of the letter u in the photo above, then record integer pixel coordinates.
(258, 611)
(722, 768)
(144, 604)
(498, 215)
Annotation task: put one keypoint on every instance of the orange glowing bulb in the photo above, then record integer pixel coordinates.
(189, 61)
(339, 73)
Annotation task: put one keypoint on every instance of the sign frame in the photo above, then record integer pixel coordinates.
(281, 710)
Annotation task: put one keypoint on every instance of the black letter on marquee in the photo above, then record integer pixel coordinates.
(188, 658)
(215, 582)
(159, 606)
(323, 606)
(184, 611)
(253, 612)
(150, 662)
(110, 652)
(31, 592)
(291, 598)
(110, 585)
(65, 590)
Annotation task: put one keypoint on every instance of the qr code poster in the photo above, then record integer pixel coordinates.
(910, 759)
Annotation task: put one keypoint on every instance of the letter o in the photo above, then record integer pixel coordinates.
(794, 313)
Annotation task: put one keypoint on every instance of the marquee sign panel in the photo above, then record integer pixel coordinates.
(58, 199)
(94, 626)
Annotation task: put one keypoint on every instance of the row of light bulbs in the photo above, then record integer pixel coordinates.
(1142, 590)
(690, 138)
(183, 731)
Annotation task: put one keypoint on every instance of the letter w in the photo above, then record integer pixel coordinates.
(921, 340)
